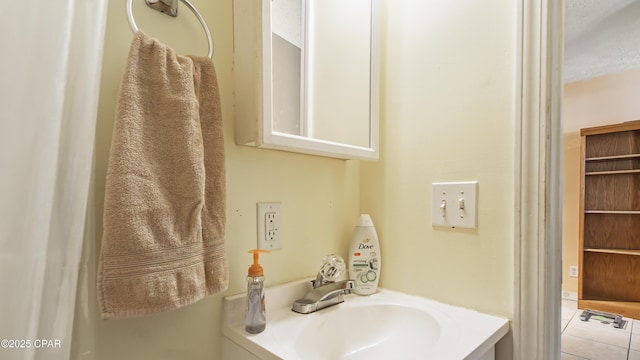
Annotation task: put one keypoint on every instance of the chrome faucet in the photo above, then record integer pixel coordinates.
(323, 296)
(326, 291)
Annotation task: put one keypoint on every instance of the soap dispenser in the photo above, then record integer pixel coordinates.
(255, 321)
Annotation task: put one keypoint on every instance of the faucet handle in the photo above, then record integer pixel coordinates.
(332, 268)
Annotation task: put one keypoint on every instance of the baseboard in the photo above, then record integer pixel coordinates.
(568, 295)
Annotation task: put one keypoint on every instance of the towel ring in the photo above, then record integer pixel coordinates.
(134, 27)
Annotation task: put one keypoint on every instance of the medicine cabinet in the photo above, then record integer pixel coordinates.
(306, 76)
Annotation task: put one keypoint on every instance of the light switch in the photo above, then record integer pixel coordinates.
(454, 204)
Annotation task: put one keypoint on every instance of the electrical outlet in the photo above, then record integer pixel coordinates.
(269, 226)
(573, 271)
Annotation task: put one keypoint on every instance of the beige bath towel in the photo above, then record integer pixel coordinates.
(164, 212)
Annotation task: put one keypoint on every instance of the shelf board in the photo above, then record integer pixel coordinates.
(620, 212)
(613, 172)
(614, 128)
(615, 251)
(613, 157)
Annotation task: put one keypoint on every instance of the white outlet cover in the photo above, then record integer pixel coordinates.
(573, 271)
(447, 200)
(269, 235)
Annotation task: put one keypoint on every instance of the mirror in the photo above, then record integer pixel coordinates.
(319, 77)
(337, 102)
(286, 66)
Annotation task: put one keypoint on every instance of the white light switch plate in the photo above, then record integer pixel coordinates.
(455, 204)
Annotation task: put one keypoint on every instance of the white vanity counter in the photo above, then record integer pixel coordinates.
(384, 325)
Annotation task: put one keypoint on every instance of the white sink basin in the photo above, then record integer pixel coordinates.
(385, 325)
(362, 331)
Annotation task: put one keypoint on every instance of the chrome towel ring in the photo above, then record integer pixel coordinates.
(134, 27)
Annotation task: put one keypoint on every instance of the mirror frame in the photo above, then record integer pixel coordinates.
(253, 85)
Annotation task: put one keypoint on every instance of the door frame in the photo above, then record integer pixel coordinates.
(538, 185)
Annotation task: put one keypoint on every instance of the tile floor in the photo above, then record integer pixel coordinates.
(594, 340)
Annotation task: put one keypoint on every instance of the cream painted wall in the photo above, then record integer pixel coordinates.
(320, 199)
(600, 101)
(447, 113)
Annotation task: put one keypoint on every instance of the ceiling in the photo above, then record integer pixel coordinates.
(601, 37)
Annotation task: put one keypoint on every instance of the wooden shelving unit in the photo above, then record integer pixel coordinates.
(609, 259)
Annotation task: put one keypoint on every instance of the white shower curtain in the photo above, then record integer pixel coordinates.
(51, 54)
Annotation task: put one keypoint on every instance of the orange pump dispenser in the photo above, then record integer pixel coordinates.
(255, 321)
(256, 269)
